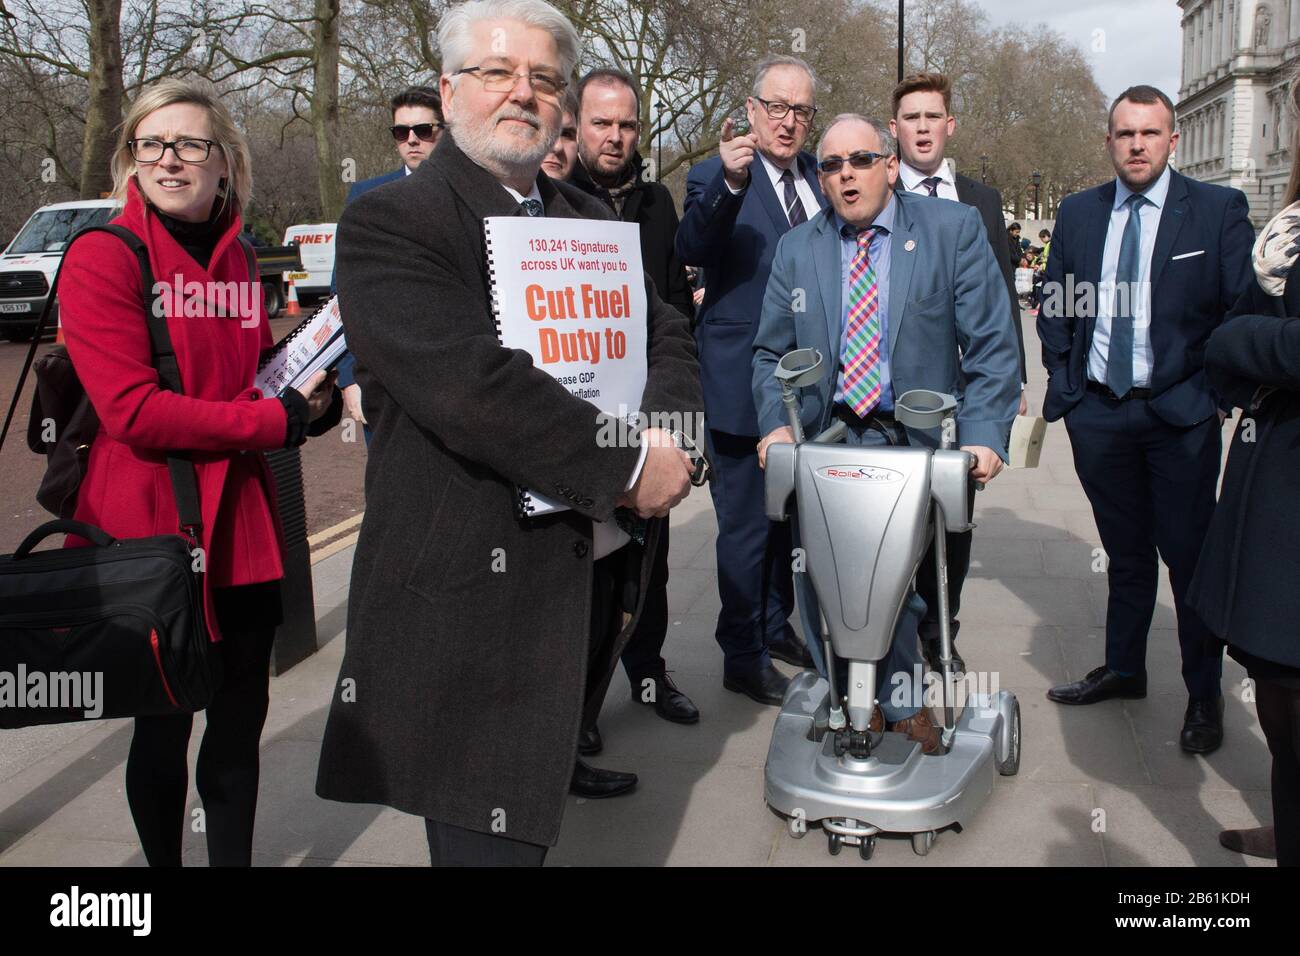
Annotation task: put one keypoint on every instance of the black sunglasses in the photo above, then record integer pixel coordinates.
(858, 160)
(424, 131)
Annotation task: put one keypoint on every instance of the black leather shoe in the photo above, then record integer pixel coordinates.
(669, 702)
(1101, 683)
(589, 742)
(930, 650)
(594, 784)
(1202, 726)
(791, 651)
(1257, 841)
(767, 686)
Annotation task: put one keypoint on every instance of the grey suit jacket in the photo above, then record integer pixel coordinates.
(949, 321)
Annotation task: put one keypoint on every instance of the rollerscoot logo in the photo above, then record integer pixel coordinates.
(77, 909)
(859, 473)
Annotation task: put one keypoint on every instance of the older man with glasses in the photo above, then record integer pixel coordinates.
(475, 635)
(761, 185)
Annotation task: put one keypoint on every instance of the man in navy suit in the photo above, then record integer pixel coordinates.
(417, 124)
(737, 206)
(899, 292)
(1140, 272)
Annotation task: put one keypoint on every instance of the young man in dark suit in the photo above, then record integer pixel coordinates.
(1141, 271)
(737, 206)
(922, 121)
(417, 124)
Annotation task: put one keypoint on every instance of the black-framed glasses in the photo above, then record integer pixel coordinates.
(425, 131)
(149, 151)
(778, 110)
(503, 81)
(859, 160)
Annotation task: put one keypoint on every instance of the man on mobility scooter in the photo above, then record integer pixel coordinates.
(902, 293)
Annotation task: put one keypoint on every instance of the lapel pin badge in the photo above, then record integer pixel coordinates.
(910, 245)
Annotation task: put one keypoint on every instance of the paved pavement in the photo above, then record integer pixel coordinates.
(1099, 786)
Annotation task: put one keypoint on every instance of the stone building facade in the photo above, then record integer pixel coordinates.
(1238, 56)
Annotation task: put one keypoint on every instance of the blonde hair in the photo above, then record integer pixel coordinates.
(224, 132)
(1293, 111)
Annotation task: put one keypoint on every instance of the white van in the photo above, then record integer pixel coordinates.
(28, 264)
(316, 242)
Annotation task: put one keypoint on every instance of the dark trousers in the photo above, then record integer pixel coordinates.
(455, 846)
(755, 578)
(927, 584)
(157, 769)
(1278, 707)
(1152, 490)
(643, 655)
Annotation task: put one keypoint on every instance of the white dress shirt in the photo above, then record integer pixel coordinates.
(913, 180)
(606, 536)
(1150, 213)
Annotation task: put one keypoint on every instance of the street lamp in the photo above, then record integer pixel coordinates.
(659, 140)
(1038, 179)
(984, 168)
(900, 41)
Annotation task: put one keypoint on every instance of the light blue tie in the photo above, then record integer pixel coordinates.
(1119, 356)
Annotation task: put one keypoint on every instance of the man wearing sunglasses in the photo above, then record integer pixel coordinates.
(417, 123)
(737, 207)
(899, 292)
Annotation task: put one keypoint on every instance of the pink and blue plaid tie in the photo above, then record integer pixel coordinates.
(862, 343)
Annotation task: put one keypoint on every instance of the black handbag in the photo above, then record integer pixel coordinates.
(115, 629)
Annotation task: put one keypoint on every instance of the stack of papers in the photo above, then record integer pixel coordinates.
(316, 344)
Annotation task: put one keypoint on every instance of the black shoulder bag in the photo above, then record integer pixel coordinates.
(116, 629)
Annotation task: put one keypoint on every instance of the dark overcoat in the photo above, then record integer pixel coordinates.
(462, 685)
(1246, 584)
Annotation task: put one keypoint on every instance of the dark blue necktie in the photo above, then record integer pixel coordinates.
(1119, 355)
(531, 207)
(932, 184)
(794, 210)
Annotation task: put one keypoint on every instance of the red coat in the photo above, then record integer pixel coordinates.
(127, 491)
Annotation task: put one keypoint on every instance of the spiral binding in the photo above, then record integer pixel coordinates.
(525, 506)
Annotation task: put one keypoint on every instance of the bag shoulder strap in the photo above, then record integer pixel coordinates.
(163, 358)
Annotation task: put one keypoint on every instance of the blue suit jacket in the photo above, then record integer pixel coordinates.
(346, 366)
(733, 238)
(1199, 268)
(949, 320)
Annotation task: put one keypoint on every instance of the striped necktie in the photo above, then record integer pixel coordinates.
(794, 210)
(862, 342)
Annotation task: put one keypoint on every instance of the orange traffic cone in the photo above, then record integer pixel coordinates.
(291, 307)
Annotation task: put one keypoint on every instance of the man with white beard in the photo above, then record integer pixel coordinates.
(474, 636)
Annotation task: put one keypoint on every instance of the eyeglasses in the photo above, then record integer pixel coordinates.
(802, 114)
(858, 160)
(425, 131)
(503, 81)
(150, 151)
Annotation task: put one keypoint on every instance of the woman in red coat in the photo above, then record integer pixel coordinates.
(182, 169)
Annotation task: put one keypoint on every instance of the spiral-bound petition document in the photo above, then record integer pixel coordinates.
(571, 293)
(316, 344)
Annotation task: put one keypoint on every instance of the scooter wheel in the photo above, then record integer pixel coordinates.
(1008, 764)
(834, 843)
(867, 848)
(921, 842)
